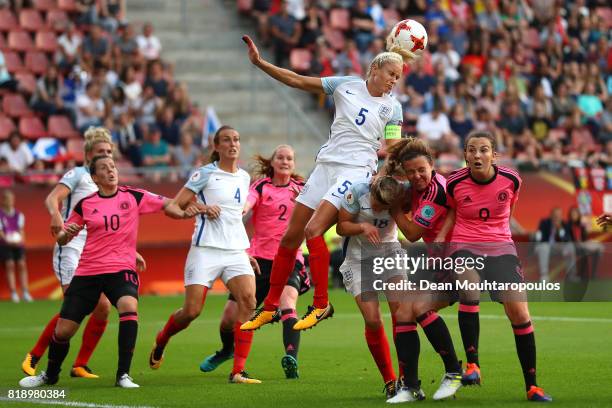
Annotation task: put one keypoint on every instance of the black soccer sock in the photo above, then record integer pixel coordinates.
(438, 335)
(227, 340)
(128, 330)
(524, 337)
(291, 338)
(58, 350)
(408, 348)
(469, 325)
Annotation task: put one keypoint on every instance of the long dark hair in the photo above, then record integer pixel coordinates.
(403, 150)
(263, 166)
(481, 133)
(214, 156)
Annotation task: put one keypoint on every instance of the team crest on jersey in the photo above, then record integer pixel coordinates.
(428, 212)
(124, 205)
(195, 176)
(502, 196)
(384, 111)
(350, 198)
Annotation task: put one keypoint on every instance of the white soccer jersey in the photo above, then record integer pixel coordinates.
(79, 181)
(229, 191)
(359, 122)
(357, 201)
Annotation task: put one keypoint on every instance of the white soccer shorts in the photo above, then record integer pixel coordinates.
(205, 264)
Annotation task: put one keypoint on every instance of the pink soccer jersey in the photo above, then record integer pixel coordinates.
(272, 208)
(483, 209)
(429, 207)
(112, 228)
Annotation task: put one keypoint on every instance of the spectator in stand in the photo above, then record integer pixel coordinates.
(155, 154)
(419, 80)
(285, 32)
(129, 51)
(95, 46)
(148, 106)
(457, 36)
(17, 153)
(493, 76)
(127, 136)
(186, 156)
(149, 45)
(489, 100)
(156, 79)
(261, 11)
(605, 128)
(12, 251)
(87, 12)
(169, 126)
(179, 101)
(449, 59)
(563, 104)
(589, 103)
(363, 25)
(435, 128)
(490, 21)
(553, 238)
(348, 62)
(131, 86)
(111, 14)
(47, 98)
(312, 27)
(194, 124)
(459, 123)
(69, 46)
(6, 80)
(585, 249)
(90, 107)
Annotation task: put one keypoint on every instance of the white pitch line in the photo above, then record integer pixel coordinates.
(351, 316)
(72, 403)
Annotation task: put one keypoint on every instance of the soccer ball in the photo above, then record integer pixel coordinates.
(409, 38)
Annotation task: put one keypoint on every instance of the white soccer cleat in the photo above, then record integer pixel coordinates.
(406, 394)
(34, 381)
(27, 297)
(451, 382)
(125, 381)
(15, 297)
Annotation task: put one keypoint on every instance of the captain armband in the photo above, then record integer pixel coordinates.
(393, 132)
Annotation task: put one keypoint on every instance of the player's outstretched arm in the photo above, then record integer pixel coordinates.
(69, 232)
(53, 202)
(449, 221)
(287, 77)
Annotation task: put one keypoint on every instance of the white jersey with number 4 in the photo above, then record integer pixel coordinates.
(80, 184)
(359, 122)
(229, 191)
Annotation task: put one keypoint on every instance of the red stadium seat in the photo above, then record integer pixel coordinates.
(61, 128)
(46, 41)
(20, 41)
(75, 148)
(13, 61)
(57, 19)
(391, 17)
(245, 6)
(606, 14)
(335, 38)
(36, 62)
(31, 20)
(67, 5)
(15, 106)
(340, 19)
(26, 80)
(32, 128)
(8, 21)
(6, 127)
(45, 5)
(300, 59)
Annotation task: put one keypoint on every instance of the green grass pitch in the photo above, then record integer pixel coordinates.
(336, 370)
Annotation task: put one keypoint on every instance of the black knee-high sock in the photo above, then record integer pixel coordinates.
(408, 348)
(58, 350)
(524, 338)
(128, 330)
(438, 335)
(469, 325)
(227, 340)
(291, 338)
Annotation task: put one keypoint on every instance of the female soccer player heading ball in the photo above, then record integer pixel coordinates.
(366, 112)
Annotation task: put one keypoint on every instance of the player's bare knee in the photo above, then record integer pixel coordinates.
(102, 309)
(517, 313)
(246, 300)
(373, 323)
(313, 230)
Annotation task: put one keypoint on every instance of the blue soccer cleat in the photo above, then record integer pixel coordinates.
(471, 375)
(214, 360)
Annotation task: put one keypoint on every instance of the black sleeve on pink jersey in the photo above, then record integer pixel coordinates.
(259, 187)
(78, 208)
(440, 195)
(515, 180)
(137, 195)
(450, 185)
